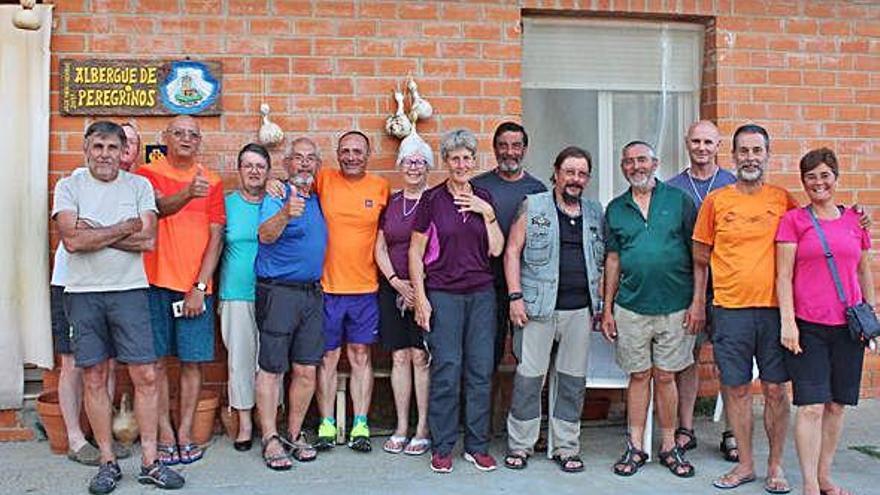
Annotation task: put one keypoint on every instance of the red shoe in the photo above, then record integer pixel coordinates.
(441, 463)
(482, 461)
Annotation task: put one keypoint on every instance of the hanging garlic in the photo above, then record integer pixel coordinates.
(26, 18)
(270, 132)
(420, 108)
(398, 125)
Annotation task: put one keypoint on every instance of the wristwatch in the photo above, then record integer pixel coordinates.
(200, 286)
(514, 296)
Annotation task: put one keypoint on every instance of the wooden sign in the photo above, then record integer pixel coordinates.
(139, 87)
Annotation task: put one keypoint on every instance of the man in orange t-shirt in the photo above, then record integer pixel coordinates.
(735, 232)
(352, 200)
(180, 270)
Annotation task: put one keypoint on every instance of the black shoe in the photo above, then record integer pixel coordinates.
(105, 481)
(243, 446)
(324, 443)
(160, 475)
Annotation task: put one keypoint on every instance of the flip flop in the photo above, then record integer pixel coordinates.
(395, 444)
(190, 453)
(168, 453)
(776, 484)
(731, 480)
(417, 446)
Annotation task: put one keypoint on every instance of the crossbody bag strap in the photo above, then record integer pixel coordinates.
(829, 257)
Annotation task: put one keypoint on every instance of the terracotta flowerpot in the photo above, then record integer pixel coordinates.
(206, 412)
(53, 422)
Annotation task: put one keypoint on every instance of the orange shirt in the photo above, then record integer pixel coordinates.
(741, 228)
(351, 209)
(181, 238)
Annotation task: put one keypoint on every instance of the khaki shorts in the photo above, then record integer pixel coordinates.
(646, 341)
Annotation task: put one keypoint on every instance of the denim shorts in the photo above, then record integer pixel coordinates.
(189, 339)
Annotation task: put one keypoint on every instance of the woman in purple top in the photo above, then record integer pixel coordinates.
(397, 326)
(824, 362)
(454, 234)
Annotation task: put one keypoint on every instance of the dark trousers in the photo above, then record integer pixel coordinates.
(462, 347)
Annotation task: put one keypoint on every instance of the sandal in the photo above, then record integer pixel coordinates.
(731, 480)
(569, 463)
(272, 461)
(689, 434)
(299, 449)
(168, 454)
(631, 460)
(728, 447)
(417, 446)
(190, 453)
(516, 460)
(677, 464)
(395, 444)
(776, 484)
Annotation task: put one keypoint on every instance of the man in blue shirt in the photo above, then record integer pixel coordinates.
(289, 304)
(701, 177)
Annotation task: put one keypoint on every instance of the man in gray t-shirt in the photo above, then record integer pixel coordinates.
(107, 218)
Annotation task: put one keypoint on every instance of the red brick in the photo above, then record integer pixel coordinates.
(333, 86)
(501, 51)
(108, 43)
(328, 46)
(269, 64)
(418, 11)
(482, 31)
(502, 14)
(249, 7)
(461, 12)
(400, 29)
(386, 11)
(750, 77)
(134, 24)
(355, 104)
(334, 9)
(157, 6)
(247, 45)
(17, 434)
(820, 78)
(837, 95)
(784, 77)
(317, 27)
(203, 7)
(203, 44)
(357, 28)
(269, 26)
(459, 49)
(312, 65)
(482, 106)
(357, 66)
(867, 28)
(292, 46)
(751, 41)
(441, 30)
(287, 84)
(441, 67)
(419, 49)
(311, 104)
(377, 48)
(68, 43)
(482, 68)
(88, 24)
(293, 7)
(397, 66)
(801, 26)
(224, 26)
(462, 87)
(157, 44)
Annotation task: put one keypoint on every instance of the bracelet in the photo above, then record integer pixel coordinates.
(392, 277)
(494, 218)
(514, 296)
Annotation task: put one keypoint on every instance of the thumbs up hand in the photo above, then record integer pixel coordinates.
(198, 187)
(295, 206)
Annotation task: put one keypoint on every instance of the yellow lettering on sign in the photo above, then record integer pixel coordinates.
(80, 97)
(151, 98)
(151, 76)
(78, 78)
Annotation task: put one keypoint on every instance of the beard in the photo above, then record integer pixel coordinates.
(572, 199)
(749, 176)
(303, 182)
(509, 166)
(638, 182)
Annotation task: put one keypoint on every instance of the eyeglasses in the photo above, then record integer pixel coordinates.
(182, 133)
(300, 158)
(255, 167)
(414, 163)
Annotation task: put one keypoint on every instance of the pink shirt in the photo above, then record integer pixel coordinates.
(815, 298)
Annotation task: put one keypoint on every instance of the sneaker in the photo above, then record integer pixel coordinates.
(326, 436)
(360, 438)
(105, 481)
(441, 463)
(160, 475)
(482, 461)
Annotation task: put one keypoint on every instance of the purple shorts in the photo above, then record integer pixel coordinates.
(350, 319)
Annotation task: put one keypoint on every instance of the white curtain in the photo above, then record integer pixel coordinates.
(25, 334)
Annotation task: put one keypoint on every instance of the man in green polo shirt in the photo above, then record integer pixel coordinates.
(658, 306)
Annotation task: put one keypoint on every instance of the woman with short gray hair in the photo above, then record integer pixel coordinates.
(455, 233)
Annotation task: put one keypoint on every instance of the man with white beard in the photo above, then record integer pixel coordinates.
(654, 303)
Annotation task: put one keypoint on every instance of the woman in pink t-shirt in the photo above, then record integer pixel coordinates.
(824, 362)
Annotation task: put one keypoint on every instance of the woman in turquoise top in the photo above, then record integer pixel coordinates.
(237, 281)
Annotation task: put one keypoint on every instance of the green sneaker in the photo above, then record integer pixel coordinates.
(326, 436)
(360, 438)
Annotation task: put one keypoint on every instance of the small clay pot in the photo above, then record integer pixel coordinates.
(53, 422)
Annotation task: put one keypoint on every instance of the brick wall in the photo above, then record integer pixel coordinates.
(808, 70)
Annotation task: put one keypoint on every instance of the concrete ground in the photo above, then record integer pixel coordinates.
(30, 468)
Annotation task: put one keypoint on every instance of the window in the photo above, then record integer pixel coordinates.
(599, 84)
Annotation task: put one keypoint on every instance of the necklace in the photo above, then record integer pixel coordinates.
(694, 186)
(411, 210)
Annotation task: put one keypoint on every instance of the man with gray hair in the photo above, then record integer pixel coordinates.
(107, 219)
(653, 302)
(289, 303)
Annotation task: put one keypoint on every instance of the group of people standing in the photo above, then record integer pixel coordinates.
(329, 257)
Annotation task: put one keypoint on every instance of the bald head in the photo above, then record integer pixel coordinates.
(183, 138)
(702, 142)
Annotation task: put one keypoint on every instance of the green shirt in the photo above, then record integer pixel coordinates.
(656, 272)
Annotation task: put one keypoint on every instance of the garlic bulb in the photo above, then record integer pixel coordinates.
(270, 132)
(420, 107)
(398, 125)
